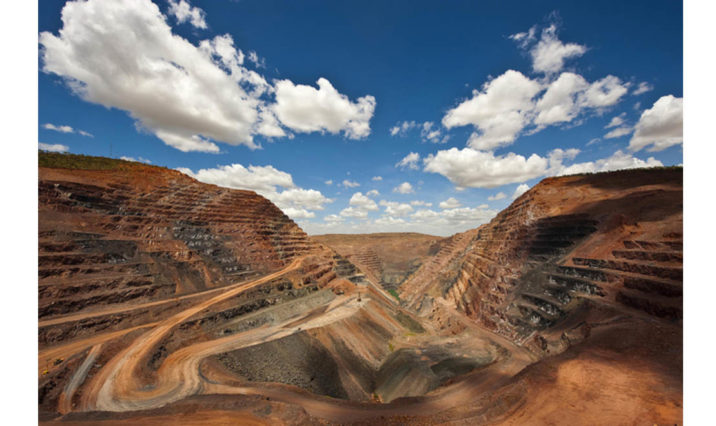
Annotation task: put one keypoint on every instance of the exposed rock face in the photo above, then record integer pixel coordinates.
(387, 258)
(164, 298)
(110, 237)
(613, 239)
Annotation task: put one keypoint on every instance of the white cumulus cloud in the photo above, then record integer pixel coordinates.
(274, 184)
(661, 126)
(184, 12)
(307, 109)
(410, 161)
(138, 159)
(66, 129)
(124, 55)
(500, 111)
(404, 188)
(549, 54)
(394, 208)
(643, 87)
(496, 197)
(618, 132)
(53, 147)
(450, 203)
(470, 168)
(617, 161)
(521, 189)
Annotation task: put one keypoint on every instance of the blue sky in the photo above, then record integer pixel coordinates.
(468, 103)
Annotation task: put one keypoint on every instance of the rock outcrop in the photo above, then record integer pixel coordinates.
(607, 239)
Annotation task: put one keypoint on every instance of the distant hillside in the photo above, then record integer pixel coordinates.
(388, 258)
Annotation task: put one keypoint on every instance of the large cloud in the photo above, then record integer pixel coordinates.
(559, 104)
(123, 54)
(617, 161)
(307, 109)
(500, 111)
(274, 184)
(509, 103)
(469, 168)
(479, 169)
(661, 126)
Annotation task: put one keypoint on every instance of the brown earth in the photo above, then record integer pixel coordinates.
(386, 258)
(164, 300)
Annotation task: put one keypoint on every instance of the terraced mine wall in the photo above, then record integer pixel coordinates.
(112, 237)
(161, 296)
(386, 258)
(569, 242)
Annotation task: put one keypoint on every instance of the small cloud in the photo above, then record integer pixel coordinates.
(333, 218)
(616, 121)
(258, 61)
(661, 126)
(643, 87)
(428, 131)
(138, 159)
(402, 128)
(65, 129)
(372, 193)
(329, 182)
(450, 203)
(593, 141)
(619, 132)
(377, 178)
(53, 147)
(498, 196)
(184, 12)
(404, 188)
(521, 189)
(410, 161)
(350, 184)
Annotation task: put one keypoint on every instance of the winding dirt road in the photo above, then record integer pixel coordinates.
(116, 386)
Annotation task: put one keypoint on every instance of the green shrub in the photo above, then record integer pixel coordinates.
(394, 293)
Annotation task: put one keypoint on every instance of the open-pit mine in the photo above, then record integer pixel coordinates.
(163, 300)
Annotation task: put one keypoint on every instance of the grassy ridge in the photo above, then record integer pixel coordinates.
(84, 162)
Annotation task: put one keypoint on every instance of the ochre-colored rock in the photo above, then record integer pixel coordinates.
(162, 299)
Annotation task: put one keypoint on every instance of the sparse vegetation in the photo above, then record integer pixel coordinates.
(394, 293)
(83, 162)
